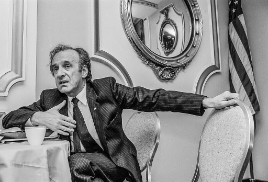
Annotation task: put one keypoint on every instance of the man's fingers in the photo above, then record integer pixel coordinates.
(232, 102)
(58, 107)
(66, 128)
(228, 103)
(229, 95)
(62, 133)
(68, 119)
(67, 124)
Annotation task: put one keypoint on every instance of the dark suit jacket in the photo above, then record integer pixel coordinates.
(106, 100)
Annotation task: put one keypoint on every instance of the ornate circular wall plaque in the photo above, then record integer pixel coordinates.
(165, 36)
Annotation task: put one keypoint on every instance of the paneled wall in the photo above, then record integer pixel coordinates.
(18, 54)
(175, 159)
(72, 22)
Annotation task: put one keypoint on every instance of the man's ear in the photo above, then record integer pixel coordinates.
(84, 71)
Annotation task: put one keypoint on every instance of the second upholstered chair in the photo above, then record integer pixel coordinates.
(225, 145)
(143, 130)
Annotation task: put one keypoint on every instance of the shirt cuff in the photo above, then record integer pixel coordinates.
(29, 122)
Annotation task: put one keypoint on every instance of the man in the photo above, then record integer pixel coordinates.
(100, 149)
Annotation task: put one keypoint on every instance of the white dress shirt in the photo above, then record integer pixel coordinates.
(83, 106)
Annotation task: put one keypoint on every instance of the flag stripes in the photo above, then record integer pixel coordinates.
(237, 86)
(238, 53)
(242, 21)
(241, 33)
(240, 64)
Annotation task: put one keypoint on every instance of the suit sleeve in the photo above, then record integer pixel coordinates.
(142, 99)
(19, 117)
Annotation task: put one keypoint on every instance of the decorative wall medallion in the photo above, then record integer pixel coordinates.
(145, 39)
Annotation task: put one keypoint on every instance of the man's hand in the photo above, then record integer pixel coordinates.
(55, 121)
(223, 100)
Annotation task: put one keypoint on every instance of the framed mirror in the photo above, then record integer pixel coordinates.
(166, 34)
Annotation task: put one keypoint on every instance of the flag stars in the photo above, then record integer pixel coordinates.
(234, 4)
(233, 10)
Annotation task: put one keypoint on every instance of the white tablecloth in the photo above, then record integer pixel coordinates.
(20, 162)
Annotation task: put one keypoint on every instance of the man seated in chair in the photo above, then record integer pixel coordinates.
(88, 114)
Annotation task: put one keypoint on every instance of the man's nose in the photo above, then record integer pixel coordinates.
(60, 72)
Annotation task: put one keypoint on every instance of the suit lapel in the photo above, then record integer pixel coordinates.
(64, 109)
(94, 110)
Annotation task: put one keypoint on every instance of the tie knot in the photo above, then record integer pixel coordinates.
(75, 101)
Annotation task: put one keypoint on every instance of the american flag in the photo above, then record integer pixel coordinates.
(240, 61)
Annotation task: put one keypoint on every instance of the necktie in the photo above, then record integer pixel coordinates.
(76, 113)
(81, 132)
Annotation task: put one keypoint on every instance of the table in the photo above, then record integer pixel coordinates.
(20, 162)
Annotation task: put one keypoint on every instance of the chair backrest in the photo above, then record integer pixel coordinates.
(143, 130)
(225, 145)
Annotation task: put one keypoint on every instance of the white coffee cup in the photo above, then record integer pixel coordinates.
(35, 135)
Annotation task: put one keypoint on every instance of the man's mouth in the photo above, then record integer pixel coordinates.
(63, 82)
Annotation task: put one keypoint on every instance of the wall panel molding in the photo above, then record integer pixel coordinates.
(110, 61)
(216, 45)
(17, 40)
(104, 57)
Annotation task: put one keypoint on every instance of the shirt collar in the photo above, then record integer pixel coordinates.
(82, 97)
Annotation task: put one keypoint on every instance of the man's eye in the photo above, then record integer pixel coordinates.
(67, 66)
(55, 69)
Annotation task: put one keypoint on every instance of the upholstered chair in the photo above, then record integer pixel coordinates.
(143, 130)
(225, 145)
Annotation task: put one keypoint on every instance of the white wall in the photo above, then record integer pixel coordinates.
(256, 14)
(60, 22)
(70, 22)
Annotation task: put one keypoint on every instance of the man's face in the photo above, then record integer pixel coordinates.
(68, 77)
